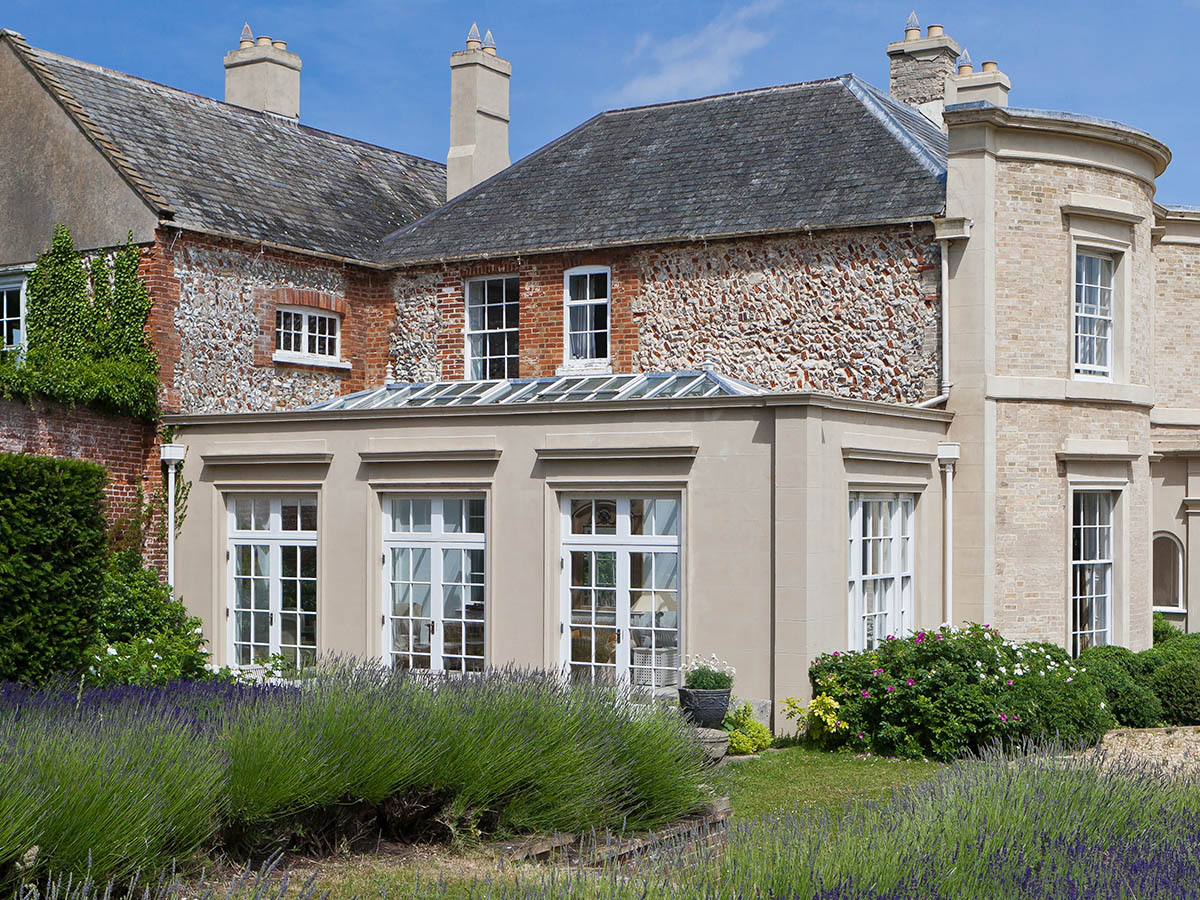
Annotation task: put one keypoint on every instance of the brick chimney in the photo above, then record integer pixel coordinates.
(262, 74)
(478, 114)
(920, 67)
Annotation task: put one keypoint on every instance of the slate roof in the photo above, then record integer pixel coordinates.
(836, 152)
(236, 171)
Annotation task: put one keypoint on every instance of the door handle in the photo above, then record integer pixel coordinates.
(619, 630)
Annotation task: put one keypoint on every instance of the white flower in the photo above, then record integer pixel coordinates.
(112, 651)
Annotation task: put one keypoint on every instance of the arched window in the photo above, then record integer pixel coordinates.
(1168, 572)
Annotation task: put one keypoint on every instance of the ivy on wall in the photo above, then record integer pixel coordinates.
(85, 339)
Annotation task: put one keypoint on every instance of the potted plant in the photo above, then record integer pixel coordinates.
(704, 697)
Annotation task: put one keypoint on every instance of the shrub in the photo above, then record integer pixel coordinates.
(708, 674)
(1163, 629)
(944, 693)
(1133, 704)
(51, 564)
(146, 637)
(85, 341)
(746, 733)
(1177, 684)
(142, 775)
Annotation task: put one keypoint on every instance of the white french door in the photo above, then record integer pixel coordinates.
(434, 583)
(272, 587)
(620, 589)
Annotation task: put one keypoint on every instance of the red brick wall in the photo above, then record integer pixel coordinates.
(127, 448)
(542, 310)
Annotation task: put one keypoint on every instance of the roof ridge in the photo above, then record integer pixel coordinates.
(74, 109)
(868, 95)
(233, 107)
(747, 91)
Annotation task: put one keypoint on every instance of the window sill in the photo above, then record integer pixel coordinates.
(585, 367)
(1170, 610)
(316, 362)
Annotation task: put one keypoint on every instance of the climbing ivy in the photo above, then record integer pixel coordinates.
(85, 339)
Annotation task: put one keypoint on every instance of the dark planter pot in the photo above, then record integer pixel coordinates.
(704, 708)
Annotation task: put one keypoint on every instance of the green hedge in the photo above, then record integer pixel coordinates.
(52, 558)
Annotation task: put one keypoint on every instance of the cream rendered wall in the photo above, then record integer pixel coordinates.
(764, 549)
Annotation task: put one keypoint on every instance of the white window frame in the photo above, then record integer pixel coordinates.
(897, 581)
(9, 280)
(588, 365)
(512, 360)
(1084, 370)
(275, 539)
(436, 542)
(663, 672)
(1180, 605)
(303, 357)
(1099, 565)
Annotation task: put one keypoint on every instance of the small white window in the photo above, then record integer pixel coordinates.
(12, 311)
(1093, 314)
(305, 335)
(881, 567)
(493, 326)
(1091, 569)
(587, 316)
(1168, 573)
(435, 587)
(272, 579)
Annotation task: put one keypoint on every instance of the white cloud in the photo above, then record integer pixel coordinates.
(702, 61)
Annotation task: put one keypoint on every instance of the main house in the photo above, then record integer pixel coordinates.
(764, 374)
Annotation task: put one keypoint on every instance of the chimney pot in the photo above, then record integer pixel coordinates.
(935, 31)
(964, 63)
(990, 66)
(473, 42)
(263, 40)
(247, 39)
(279, 45)
(489, 43)
(912, 29)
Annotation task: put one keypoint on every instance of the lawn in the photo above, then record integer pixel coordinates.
(785, 780)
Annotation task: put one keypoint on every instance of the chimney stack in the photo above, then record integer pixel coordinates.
(478, 114)
(920, 67)
(989, 84)
(263, 74)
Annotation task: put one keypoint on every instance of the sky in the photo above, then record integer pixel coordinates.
(378, 71)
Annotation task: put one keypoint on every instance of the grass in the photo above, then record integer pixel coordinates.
(782, 781)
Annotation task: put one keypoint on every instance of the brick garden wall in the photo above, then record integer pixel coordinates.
(125, 447)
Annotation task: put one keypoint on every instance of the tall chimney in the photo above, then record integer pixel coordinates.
(478, 114)
(920, 67)
(263, 74)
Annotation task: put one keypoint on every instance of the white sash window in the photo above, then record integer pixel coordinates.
(1091, 569)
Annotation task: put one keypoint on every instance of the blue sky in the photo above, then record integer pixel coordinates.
(377, 70)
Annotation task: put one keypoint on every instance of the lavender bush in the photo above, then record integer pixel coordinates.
(115, 780)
